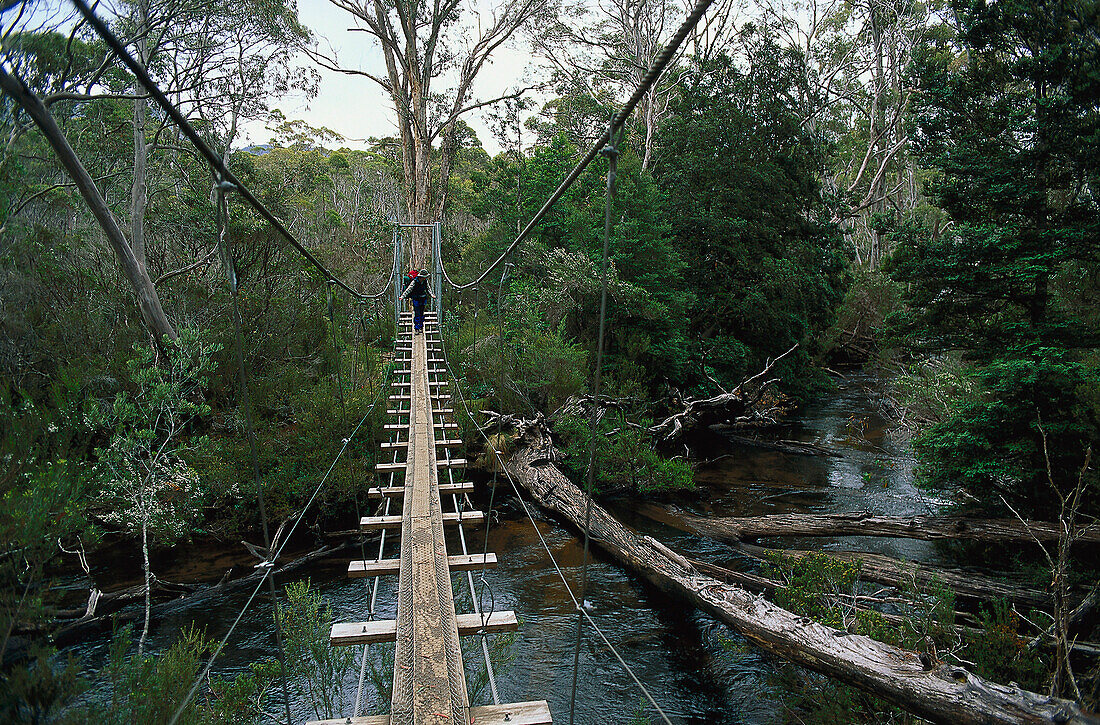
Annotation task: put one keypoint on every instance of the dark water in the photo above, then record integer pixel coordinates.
(697, 670)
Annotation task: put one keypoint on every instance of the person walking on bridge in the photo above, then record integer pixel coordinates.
(418, 292)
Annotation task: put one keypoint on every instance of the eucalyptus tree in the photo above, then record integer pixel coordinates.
(603, 48)
(854, 55)
(422, 44)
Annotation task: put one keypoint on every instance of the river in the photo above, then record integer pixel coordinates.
(697, 670)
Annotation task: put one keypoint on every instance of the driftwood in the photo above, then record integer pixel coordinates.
(801, 448)
(927, 528)
(941, 693)
(749, 405)
(882, 569)
(72, 631)
(897, 573)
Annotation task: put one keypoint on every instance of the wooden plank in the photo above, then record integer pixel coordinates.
(435, 396)
(514, 713)
(374, 523)
(398, 491)
(360, 569)
(428, 674)
(452, 463)
(343, 634)
(388, 446)
(405, 426)
(387, 467)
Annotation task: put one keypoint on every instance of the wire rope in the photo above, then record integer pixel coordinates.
(225, 245)
(212, 158)
(499, 465)
(612, 154)
(475, 596)
(651, 77)
(274, 558)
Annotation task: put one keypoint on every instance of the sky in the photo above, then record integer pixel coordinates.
(356, 107)
(353, 106)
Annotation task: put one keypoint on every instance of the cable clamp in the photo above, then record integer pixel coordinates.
(226, 185)
(609, 151)
(266, 564)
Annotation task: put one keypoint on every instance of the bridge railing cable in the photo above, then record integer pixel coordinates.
(269, 566)
(651, 77)
(212, 157)
(491, 447)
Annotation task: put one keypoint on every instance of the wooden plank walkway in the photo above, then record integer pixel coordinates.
(429, 682)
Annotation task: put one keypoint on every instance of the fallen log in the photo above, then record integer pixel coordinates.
(882, 569)
(801, 448)
(69, 632)
(897, 573)
(941, 693)
(926, 528)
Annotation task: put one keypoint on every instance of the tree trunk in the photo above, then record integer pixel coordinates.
(925, 528)
(148, 300)
(899, 574)
(944, 694)
(148, 581)
(139, 194)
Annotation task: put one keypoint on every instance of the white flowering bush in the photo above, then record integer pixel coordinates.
(146, 488)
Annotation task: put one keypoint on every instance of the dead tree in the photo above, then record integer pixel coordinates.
(941, 693)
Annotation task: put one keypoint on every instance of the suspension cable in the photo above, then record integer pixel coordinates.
(225, 245)
(267, 571)
(612, 154)
(499, 466)
(650, 78)
(208, 153)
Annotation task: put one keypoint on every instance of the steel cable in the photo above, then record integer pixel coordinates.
(651, 77)
(499, 465)
(212, 158)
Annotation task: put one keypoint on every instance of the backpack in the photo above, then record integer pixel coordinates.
(419, 288)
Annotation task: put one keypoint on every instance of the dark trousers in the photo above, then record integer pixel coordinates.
(418, 313)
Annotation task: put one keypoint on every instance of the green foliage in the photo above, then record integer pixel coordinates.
(1001, 654)
(740, 171)
(43, 484)
(1033, 410)
(625, 457)
(147, 486)
(42, 692)
(316, 669)
(148, 689)
(1024, 217)
(812, 583)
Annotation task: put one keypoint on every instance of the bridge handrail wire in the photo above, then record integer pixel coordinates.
(269, 565)
(208, 153)
(546, 547)
(651, 77)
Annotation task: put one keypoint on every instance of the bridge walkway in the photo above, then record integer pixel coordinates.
(429, 682)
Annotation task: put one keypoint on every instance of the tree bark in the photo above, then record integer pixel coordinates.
(925, 528)
(148, 583)
(148, 300)
(897, 573)
(139, 194)
(944, 694)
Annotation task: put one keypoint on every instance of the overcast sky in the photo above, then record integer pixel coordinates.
(356, 107)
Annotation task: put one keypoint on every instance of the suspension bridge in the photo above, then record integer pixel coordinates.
(429, 675)
(429, 683)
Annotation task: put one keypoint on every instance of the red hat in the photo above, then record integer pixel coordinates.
(414, 272)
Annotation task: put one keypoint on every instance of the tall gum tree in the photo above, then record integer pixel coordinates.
(420, 45)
